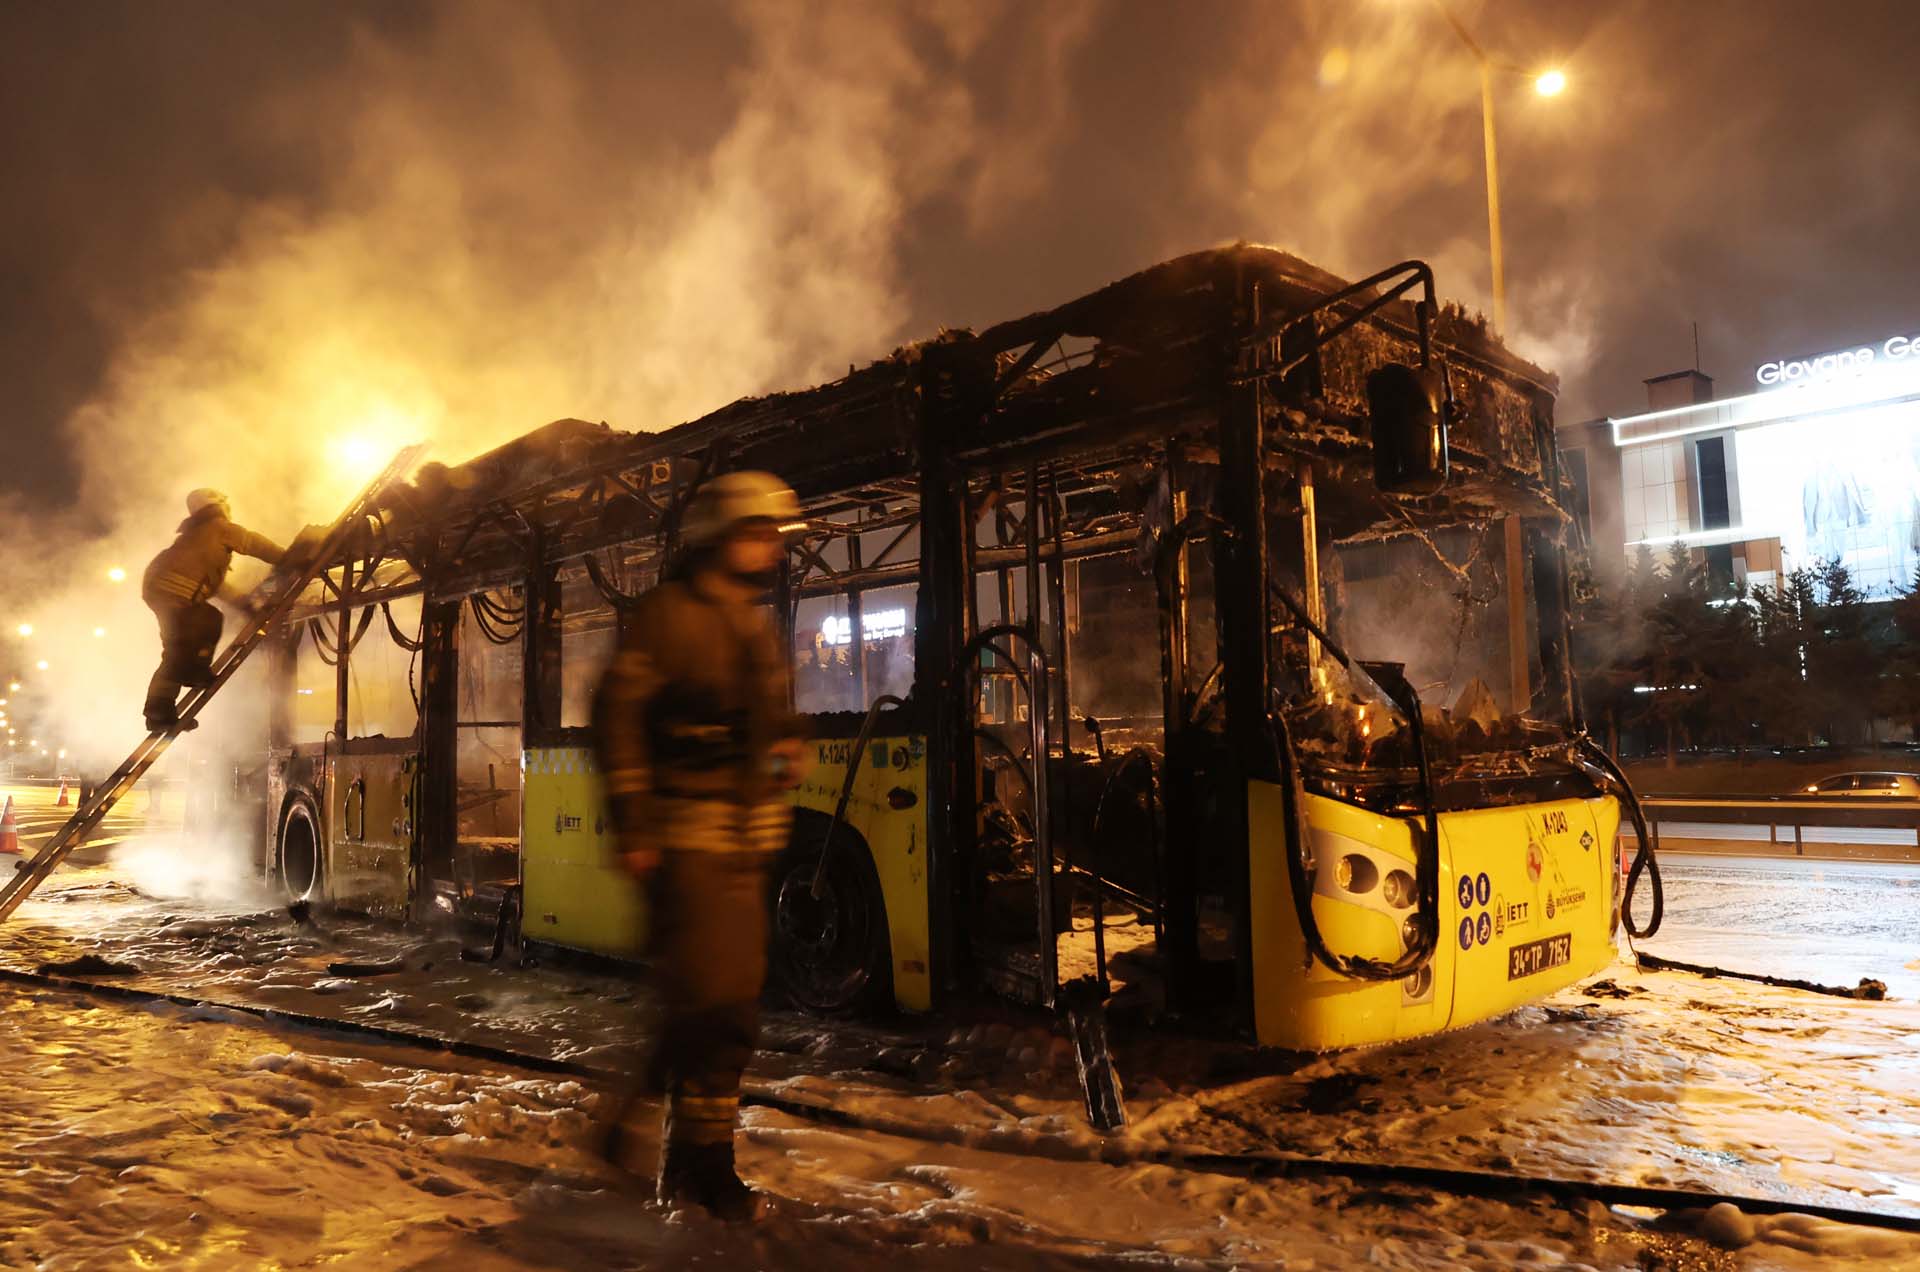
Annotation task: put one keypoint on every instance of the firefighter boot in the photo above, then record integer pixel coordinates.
(703, 1175)
(696, 1163)
(160, 713)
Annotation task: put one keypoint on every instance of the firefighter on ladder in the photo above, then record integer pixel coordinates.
(698, 747)
(179, 587)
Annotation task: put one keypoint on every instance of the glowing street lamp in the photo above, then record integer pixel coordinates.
(99, 631)
(42, 664)
(116, 575)
(1549, 83)
(25, 629)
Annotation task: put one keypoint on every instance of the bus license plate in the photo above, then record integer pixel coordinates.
(1538, 956)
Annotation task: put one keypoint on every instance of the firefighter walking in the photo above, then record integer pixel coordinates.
(699, 747)
(179, 586)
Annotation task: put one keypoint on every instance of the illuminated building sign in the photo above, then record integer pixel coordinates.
(1841, 362)
(837, 629)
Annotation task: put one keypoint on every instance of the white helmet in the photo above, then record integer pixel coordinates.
(205, 497)
(731, 498)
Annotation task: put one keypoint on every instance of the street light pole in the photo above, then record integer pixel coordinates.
(1519, 673)
(1496, 249)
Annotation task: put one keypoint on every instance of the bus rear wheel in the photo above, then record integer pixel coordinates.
(299, 861)
(830, 954)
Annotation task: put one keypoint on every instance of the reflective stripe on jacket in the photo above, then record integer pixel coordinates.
(694, 701)
(194, 566)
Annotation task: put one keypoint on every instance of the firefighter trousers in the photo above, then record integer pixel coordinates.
(189, 634)
(709, 919)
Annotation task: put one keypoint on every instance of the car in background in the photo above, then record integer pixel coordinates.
(1868, 785)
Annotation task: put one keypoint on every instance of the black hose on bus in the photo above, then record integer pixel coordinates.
(1427, 868)
(1644, 860)
(1426, 845)
(881, 703)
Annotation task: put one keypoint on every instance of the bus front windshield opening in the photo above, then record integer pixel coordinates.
(1436, 604)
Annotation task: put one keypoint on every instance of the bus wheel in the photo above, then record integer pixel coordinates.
(830, 955)
(299, 861)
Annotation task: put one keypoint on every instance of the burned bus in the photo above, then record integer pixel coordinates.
(1202, 640)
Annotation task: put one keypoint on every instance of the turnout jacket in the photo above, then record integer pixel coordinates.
(194, 566)
(692, 704)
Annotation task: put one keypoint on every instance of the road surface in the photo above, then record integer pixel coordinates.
(184, 1138)
(1833, 922)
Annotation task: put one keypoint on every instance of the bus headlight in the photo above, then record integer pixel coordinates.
(1398, 889)
(1356, 873)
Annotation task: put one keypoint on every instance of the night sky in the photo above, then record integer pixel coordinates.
(226, 224)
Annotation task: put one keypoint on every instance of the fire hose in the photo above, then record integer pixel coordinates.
(1644, 861)
(1501, 1186)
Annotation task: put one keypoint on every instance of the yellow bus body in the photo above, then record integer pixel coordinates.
(1526, 903)
(894, 769)
(574, 891)
(576, 894)
(1547, 869)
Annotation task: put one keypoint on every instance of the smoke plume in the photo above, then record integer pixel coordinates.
(475, 261)
(280, 243)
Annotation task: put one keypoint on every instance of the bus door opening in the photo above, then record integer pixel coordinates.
(487, 744)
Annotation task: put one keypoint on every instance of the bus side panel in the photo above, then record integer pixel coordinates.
(1301, 1004)
(574, 890)
(1532, 908)
(370, 821)
(895, 768)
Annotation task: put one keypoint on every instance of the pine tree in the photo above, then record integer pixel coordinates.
(1676, 625)
(1843, 669)
(1900, 687)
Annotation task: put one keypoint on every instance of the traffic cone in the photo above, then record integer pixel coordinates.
(9, 830)
(63, 801)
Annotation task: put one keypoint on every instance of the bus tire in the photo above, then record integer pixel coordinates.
(299, 856)
(831, 956)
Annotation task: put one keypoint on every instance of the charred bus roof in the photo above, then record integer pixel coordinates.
(1084, 385)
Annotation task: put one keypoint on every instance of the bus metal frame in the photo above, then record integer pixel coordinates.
(1241, 365)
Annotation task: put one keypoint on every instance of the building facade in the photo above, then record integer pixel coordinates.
(1821, 460)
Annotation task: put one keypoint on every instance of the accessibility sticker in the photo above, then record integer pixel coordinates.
(1482, 888)
(1466, 892)
(1483, 930)
(1466, 934)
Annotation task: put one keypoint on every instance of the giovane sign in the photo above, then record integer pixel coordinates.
(1826, 366)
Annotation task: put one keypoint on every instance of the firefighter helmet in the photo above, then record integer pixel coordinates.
(205, 497)
(731, 498)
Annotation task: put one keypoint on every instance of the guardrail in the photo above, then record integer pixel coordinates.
(1795, 814)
